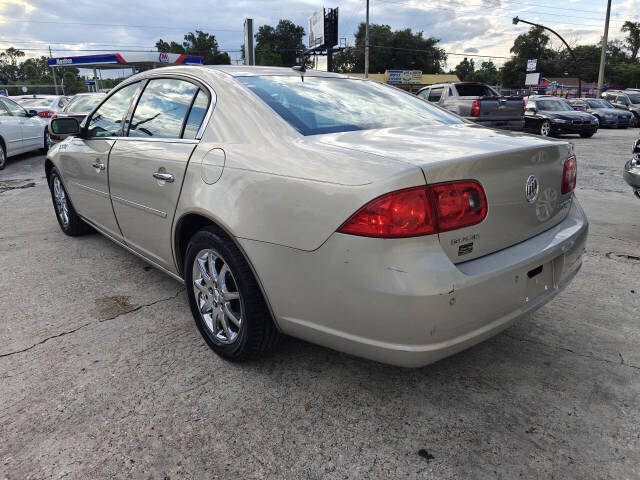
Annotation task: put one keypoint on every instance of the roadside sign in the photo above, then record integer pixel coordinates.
(4, 92)
(532, 64)
(24, 89)
(401, 77)
(316, 29)
(532, 79)
(89, 82)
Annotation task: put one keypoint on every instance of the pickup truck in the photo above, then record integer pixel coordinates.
(478, 103)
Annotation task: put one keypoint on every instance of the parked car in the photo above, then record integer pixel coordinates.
(297, 203)
(550, 116)
(477, 102)
(631, 173)
(78, 107)
(625, 100)
(20, 131)
(45, 106)
(607, 114)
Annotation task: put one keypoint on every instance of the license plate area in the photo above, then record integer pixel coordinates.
(539, 280)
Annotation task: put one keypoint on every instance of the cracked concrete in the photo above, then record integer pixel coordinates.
(104, 373)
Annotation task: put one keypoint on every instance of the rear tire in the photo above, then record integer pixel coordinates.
(70, 222)
(225, 299)
(47, 142)
(3, 156)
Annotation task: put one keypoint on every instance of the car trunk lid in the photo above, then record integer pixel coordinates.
(502, 162)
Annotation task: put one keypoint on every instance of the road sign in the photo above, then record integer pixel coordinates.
(89, 82)
(532, 79)
(532, 64)
(4, 92)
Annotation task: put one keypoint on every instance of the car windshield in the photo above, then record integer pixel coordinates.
(634, 98)
(553, 105)
(83, 103)
(598, 104)
(326, 105)
(36, 102)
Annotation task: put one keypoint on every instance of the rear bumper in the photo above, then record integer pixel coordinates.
(403, 301)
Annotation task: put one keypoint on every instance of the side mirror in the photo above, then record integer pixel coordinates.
(32, 113)
(64, 127)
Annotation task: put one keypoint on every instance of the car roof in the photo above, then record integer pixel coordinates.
(252, 70)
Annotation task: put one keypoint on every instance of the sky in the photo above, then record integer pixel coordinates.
(464, 27)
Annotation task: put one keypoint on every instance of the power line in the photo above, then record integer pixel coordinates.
(123, 25)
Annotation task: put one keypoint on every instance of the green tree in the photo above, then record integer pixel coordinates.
(465, 69)
(632, 42)
(531, 45)
(487, 73)
(198, 43)
(10, 63)
(400, 49)
(279, 46)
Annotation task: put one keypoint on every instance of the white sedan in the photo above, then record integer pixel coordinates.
(20, 131)
(45, 105)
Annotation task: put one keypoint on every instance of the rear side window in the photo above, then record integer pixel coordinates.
(3, 111)
(472, 90)
(107, 120)
(162, 109)
(435, 94)
(196, 115)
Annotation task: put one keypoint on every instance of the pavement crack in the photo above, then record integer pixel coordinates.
(69, 332)
(558, 347)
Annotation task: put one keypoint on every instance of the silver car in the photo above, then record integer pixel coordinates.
(337, 210)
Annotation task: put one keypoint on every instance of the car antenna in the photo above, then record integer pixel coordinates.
(301, 69)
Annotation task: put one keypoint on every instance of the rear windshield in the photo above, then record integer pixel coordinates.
(36, 102)
(83, 103)
(326, 105)
(472, 90)
(635, 98)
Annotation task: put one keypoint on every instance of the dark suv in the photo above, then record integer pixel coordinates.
(625, 100)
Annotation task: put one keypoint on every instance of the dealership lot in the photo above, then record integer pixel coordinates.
(104, 372)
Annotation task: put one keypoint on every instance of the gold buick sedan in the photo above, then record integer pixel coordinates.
(338, 210)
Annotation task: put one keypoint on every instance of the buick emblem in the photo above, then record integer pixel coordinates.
(531, 188)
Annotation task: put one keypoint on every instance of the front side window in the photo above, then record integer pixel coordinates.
(635, 98)
(15, 109)
(320, 105)
(435, 94)
(107, 120)
(162, 109)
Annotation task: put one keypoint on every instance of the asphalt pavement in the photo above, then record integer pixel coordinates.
(104, 373)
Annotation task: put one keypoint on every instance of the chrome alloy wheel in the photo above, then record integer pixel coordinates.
(217, 296)
(62, 206)
(3, 157)
(545, 129)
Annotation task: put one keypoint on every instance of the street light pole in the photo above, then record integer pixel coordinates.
(366, 44)
(575, 62)
(603, 54)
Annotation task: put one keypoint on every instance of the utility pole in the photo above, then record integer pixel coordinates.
(603, 54)
(53, 70)
(366, 44)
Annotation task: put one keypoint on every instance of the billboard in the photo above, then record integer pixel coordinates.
(316, 28)
(399, 77)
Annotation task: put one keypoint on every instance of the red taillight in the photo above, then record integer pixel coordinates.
(54, 116)
(569, 175)
(524, 107)
(420, 211)
(458, 204)
(46, 113)
(475, 108)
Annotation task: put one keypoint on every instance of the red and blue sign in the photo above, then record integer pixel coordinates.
(150, 58)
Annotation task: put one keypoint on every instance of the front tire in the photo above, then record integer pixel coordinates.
(225, 299)
(587, 134)
(545, 128)
(70, 222)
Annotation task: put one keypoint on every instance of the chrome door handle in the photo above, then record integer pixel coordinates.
(98, 164)
(167, 177)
